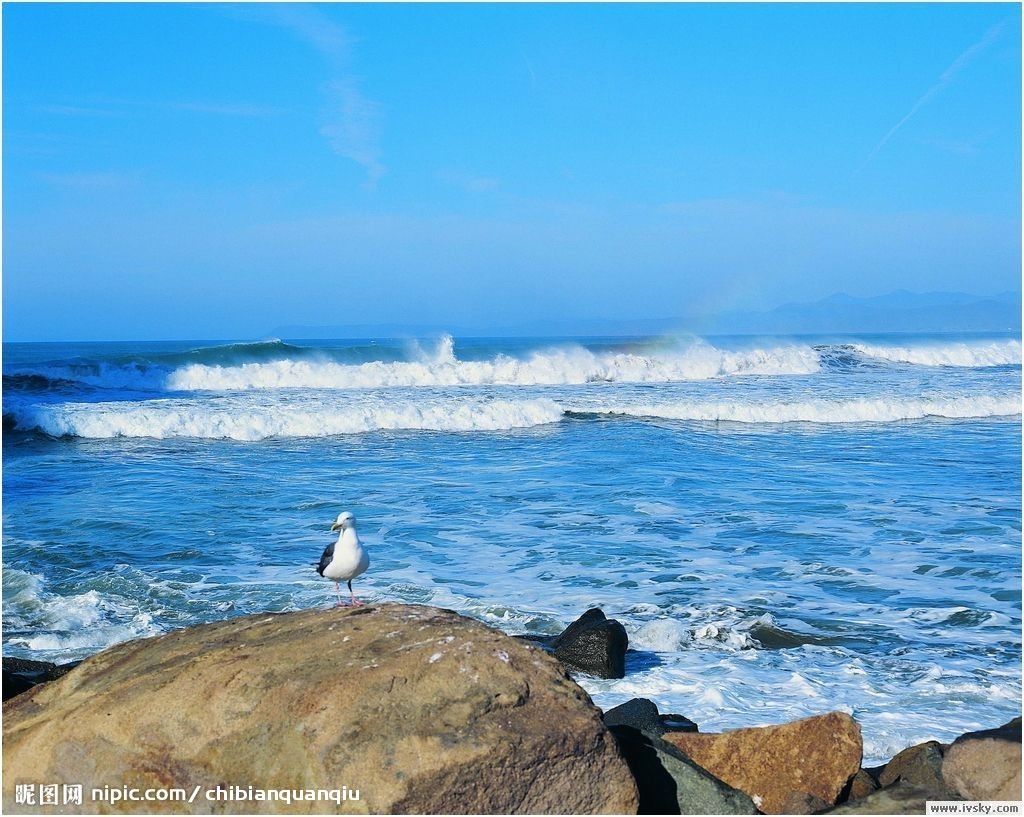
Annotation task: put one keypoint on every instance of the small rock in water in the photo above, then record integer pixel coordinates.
(986, 765)
(670, 783)
(642, 714)
(592, 644)
(815, 756)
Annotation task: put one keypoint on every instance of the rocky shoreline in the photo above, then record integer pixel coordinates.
(421, 710)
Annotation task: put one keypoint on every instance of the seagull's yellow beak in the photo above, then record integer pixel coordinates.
(335, 526)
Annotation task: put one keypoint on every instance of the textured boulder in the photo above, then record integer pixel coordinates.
(671, 783)
(642, 714)
(986, 765)
(899, 799)
(919, 766)
(814, 756)
(420, 710)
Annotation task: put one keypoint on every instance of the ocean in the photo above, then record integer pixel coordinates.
(785, 526)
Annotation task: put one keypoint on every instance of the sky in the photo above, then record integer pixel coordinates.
(177, 171)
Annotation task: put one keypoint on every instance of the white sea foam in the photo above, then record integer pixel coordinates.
(65, 627)
(559, 366)
(974, 354)
(860, 410)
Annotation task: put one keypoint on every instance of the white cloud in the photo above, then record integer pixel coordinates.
(945, 78)
(351, 127)
(351, 120)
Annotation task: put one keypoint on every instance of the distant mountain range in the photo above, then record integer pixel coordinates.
(899, 311)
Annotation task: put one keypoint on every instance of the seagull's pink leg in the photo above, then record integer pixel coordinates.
(341, 602)
(355, 602)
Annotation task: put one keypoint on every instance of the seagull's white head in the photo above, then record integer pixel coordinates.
(345, 520)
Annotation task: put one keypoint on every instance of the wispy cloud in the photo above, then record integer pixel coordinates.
(945, 78)
(350, 119)
(351, 127)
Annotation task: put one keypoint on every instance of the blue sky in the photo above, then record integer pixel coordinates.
(212, 171)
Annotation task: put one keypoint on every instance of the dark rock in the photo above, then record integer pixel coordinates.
(899, 799)
(14, 684)
(20, 674)
(861, 785)
(670, 783)
(61, 670)
(27, 666)
(642, 714)
(678, 723)
(800, 802)
(986, 765)
(592, 644)
(1008, 731)
(919, 766)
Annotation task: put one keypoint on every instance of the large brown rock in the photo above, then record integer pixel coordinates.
(814, 756)
(986, 765)
(419, 709)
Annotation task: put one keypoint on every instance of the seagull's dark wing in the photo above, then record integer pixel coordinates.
(325, 559)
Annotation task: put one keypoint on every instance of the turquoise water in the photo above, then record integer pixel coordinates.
(785, 526)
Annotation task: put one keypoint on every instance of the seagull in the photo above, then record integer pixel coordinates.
(345, 559)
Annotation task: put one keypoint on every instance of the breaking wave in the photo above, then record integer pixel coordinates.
(860, 410)
(163, 419)
(972, 354)
(562, 366)
(276, 365)
(246, 420)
